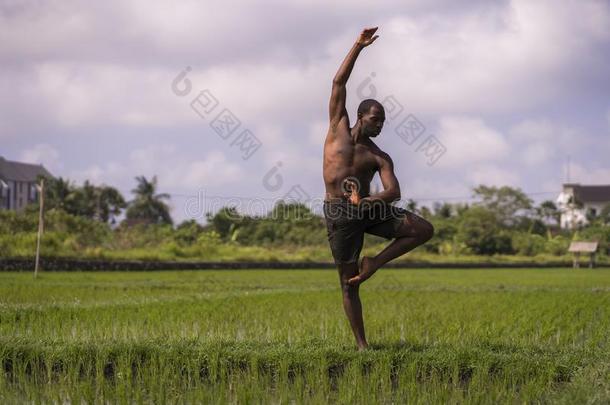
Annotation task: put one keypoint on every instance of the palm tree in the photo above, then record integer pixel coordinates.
(102, 203)
(110, 204)
(57, 193)
(83, 200)
(148, 206)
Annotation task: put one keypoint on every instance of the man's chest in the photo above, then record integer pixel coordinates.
(356, 155)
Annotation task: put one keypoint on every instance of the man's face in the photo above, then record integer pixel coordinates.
(372, 122)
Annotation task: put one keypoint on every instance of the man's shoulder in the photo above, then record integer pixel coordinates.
(339, 125)
(378, 151)
(382, 156)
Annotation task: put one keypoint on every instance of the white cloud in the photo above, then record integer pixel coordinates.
(475, 66)
(183, 179)
(69, 94)
(93, 64)
(539, 140)
(534, 141)
(584, 175)
(213, 170)
(109, 94)
(317, 132)
(533, 130)
(469, 141)
(173, 172)
(43, 154)
(492, 175)
(497, 59)
(115, 174)
(428, 190)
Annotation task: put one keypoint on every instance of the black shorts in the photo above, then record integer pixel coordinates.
(346, 224)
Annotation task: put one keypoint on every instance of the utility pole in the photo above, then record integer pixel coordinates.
(40, 225)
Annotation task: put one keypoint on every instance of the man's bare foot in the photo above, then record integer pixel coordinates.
(367, 269)
(362, 347)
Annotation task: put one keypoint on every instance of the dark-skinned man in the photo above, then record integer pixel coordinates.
(351, 159)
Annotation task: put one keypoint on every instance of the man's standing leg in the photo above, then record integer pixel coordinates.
(346, 236)
(351, 302)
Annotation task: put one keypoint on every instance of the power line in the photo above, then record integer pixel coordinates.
(247, 198)
(225, 197)
(474, 198)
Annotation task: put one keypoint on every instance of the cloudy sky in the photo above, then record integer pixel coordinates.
(505, 90)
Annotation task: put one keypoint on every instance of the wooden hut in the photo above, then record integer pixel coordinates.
(583, 247)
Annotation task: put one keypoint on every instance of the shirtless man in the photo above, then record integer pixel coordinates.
(351, 159)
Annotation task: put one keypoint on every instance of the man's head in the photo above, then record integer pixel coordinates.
(371, 115)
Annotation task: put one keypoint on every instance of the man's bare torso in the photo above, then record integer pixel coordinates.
(351, 158)
(345, 158)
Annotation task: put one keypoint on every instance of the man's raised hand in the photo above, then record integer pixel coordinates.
(366, 37)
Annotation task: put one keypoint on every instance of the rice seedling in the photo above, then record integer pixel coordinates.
(438, 336)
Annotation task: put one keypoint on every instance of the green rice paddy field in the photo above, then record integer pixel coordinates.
(273, 336)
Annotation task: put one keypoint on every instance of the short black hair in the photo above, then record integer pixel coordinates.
(365, 106)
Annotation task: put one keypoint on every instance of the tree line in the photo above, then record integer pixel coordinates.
(106, 203)
(501, 220)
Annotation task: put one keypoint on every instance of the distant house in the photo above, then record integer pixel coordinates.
(576, 202)
(18, 183)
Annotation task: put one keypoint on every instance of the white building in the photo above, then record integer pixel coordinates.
(576, 202)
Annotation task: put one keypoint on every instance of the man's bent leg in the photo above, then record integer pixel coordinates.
(351, 302)
(413, 231)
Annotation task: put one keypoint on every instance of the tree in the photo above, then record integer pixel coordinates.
(548, 212)
(188, 232)
(604, 215)
(481, 232)
(507, 202)
(425, 212)
(224, 221)
(57, 193)
(110, 204)
(411, 205)
(102, 203)
(83, 200)
(148, 207)
(290, 211)
(443, 210)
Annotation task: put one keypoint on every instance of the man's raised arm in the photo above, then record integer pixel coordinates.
(337, 98)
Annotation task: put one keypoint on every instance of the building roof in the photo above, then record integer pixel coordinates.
(17, 171)
(590, 194)
(583, 247)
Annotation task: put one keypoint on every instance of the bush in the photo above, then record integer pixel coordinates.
(187, 232)
(528, 244)
(445, 230)
(557, 245)
(142, 236)
(598, 233)
(480, 231)
(12, 222)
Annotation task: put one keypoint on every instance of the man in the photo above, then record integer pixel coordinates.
(351, 159)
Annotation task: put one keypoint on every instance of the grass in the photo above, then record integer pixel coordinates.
(438, 336)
